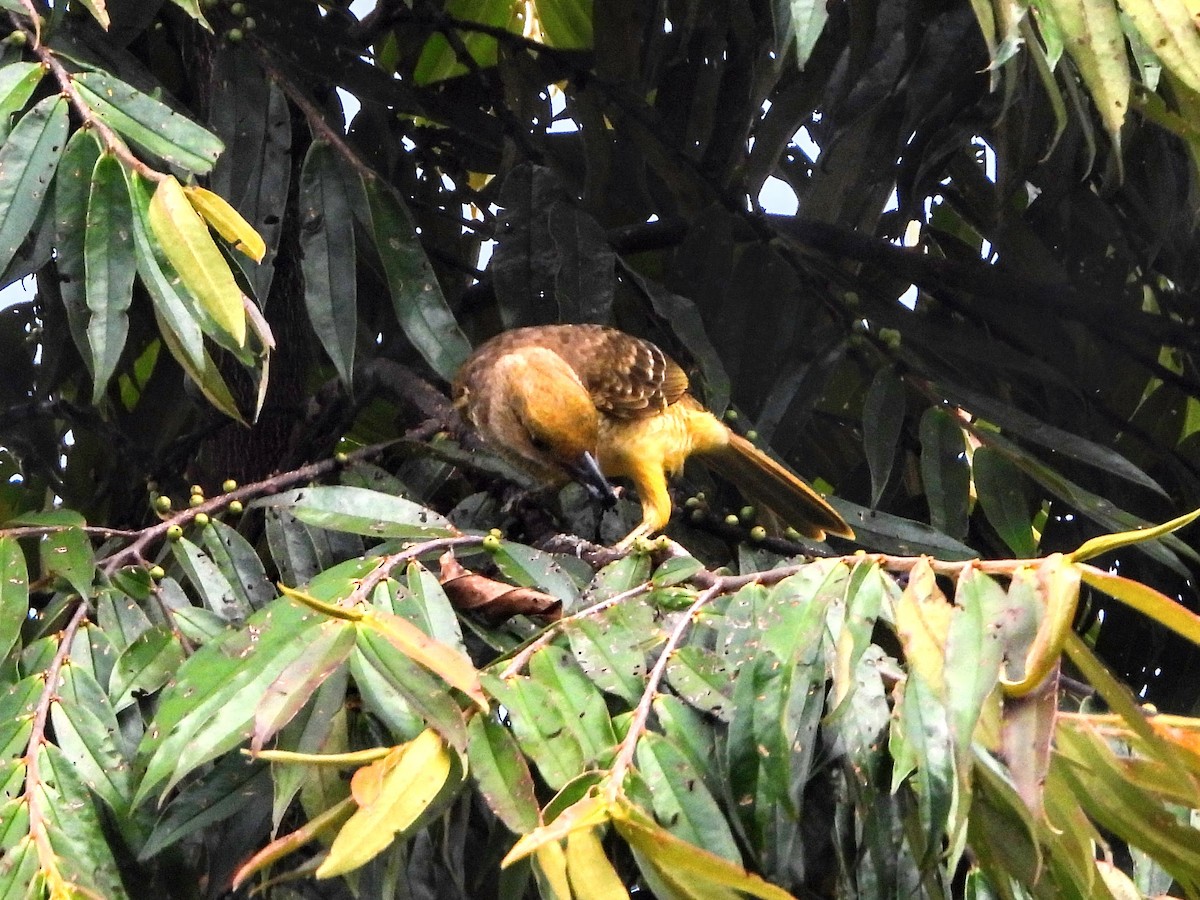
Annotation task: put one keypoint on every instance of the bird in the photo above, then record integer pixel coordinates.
(588, 403)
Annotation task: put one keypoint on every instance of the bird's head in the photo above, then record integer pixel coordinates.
(555, 423)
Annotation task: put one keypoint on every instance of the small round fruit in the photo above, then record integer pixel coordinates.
(752, 435)
(341, 458)
(235, 507)
(731, 415)
(196, 489)
(746, 513)
(248, 24)
(237, 9)
(196, 500)
(17, 38)
(234, 35)
(758, 533)
(731, 519)
(491, 543)
(174, 533)
(228, 485)
(162, 503)
(201, 520)
(158, 573)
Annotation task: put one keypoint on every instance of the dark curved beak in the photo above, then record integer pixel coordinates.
(587, 472)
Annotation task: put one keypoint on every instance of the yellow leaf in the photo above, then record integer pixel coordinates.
(922, 622)
(1058, 585)
(1169, 29)
(1092, 34)
(1106, 542)
(207, 378)
(550, 862)
(332, 610)
(685, 863)
(591, 875)
(227, 221)
(452, 666)
(589, 812)
(184, 237)
(1146, 600)
(405, 783)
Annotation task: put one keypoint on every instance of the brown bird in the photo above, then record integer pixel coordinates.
(584, 402)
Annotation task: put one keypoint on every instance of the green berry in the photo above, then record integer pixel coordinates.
(890, 337)
(697, 515)
(201, 520)
(235, 507)
(752, 435)
(248, 24)
(228, 485)
(758, 533)
(196, 489)
(731, 415)
(692, 502)
(174, 533)
(196, 500)
(791, 534)
(491, 543)
(731, 519)
(162, 503)
(237, 9)
(747, 513)
(234, 35)
(17, 38)
(341, 458)
(157, 573)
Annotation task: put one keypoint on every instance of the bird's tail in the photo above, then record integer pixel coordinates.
(768, 483)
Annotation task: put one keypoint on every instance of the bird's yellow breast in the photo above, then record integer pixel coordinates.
(627, 447)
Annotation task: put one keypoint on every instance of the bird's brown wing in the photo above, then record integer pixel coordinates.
(627, 377)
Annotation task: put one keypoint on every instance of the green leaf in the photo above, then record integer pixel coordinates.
(427, 606)
(84, 729)
(539, 727)
(235, 785)
(882, 421)
(611, 646)
(945, 471)
(18, 81)
(152, 125)
(501, 774)
(284, 697)
(192, 8)
(209, 581)
(72, 189)
(975, 650)
(421, 307)
(239, 564)
(566, 24)
(209, 708)
(360, 511)
(14, 594)
(703, 679)
(184, 238)
(1106, 543)
(1001, 487)
(146, 665)
(28, 160)
(65, 552)
(533, 568)
(681, 800)
(17, 703)
(327, 260)
(582, 706)
(808, 21)
(922, 727)
(109, 261)
(423, 692)
(81, 850)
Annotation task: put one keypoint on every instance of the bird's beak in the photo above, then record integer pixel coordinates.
(587, 472)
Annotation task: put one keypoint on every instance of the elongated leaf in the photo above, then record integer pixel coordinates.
(945, 471)
(239, 564)
(285, 696)
(235, 785)
(360, 511)
(1168, 27)
(501, 774)
(209, 709)
(227, 221)
(882, 419)
(1002, 491)
(28, 160)
(1106, 543)
(192, 8)
(18, 81)
(402, 787)
(1145, 600)
(208, 580)
(206, 375)
(14, 594)
(537, 724)
(584, 712)
(1093, 36)
(808, 21)
(452, 666)
(145, 666)
(84, 729)
(184, 238)
(533, 568)
(328, 262)
(421, 307)
(151, 125)
(72, 188)
(110, 264)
